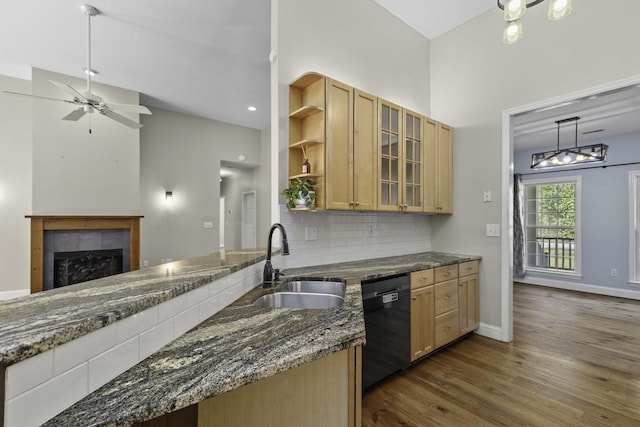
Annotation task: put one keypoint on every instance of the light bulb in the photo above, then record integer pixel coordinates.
(514, 9)
(559, 9)
(512, 32)
(566, 158)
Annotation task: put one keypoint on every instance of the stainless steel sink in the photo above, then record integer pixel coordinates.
(314, 287)
(299, 300)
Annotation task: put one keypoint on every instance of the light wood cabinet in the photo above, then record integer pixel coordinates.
(438, 167)
(422, 314)
(351, 157)
(468, 307)
(400, 153)
(446, 304)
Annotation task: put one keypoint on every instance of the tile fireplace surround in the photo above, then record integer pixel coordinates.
(41, 224)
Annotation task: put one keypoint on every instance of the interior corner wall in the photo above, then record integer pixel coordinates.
(15, 187)
(76, 172)
(475, 77)
(182, 154)
(263, 189)
(361, 44)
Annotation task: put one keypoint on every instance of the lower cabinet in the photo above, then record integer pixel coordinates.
(468, 310)
(422, 314)
(444, 306)
(325, 392)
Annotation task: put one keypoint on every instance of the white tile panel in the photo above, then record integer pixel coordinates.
(84, 348)
(112, 363)
(172, 307)
(134, 325)
(186, 320)
(29, 373)
(156, 338)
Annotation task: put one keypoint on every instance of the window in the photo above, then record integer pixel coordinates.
(552, 232)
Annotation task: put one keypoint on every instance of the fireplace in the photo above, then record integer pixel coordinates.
(80, 266)
(51, 235)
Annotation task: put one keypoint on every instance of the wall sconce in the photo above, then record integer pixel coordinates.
(168, 195)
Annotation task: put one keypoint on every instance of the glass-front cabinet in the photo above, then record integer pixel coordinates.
(400, 153)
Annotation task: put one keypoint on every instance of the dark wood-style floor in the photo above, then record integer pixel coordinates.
(574, 361)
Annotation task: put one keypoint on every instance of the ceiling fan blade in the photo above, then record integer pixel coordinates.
(121, 119)
(65, 87)
(37, 96)
(129, 108)
(75, 114)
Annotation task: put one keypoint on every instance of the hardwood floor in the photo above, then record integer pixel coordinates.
(574, 361)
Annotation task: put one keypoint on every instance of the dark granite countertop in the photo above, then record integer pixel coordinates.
(242, 344)
(36, 323)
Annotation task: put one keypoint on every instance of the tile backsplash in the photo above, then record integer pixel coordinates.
(351, 236)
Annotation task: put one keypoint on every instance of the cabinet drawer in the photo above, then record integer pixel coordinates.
(421, 278)
(446, 296)
(446, 328)
(445, 273)
(468, 268)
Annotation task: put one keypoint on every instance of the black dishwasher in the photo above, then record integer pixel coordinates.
(387, 319)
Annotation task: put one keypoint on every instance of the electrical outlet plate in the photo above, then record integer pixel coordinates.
(493, 230)
(486, 196)
(311, 233)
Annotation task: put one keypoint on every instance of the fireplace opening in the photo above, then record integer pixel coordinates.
(80, 266)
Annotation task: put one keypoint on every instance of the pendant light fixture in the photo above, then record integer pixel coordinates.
(514, 10)
(569, 156)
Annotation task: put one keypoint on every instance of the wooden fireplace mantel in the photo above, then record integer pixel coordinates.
(42, 223)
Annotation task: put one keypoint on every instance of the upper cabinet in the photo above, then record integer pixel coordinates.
(438, 167)
(400, 149)
(365, 153)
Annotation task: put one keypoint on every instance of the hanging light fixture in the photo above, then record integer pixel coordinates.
(514, 10)
(569, 156)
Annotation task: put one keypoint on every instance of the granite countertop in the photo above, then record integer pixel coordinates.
(36, 323)
(242, 344)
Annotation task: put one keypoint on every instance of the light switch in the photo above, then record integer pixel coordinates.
(493, 230)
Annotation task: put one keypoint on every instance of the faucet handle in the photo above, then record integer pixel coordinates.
(277, 274)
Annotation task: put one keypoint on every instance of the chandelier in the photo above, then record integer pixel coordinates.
(514, 10)
(569, 156)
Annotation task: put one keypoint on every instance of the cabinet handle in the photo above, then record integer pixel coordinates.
(357, 203)
(414, 298)
(447, 274)
(447, 297)
(351, 203)
(423, 279)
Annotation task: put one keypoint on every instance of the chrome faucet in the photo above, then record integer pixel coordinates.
(267, 275)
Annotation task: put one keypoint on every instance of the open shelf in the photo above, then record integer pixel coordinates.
(306, 111)
(305, 142)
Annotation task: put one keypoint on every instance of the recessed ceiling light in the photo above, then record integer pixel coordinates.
(252, 108)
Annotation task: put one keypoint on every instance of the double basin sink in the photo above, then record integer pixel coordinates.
(310, 294)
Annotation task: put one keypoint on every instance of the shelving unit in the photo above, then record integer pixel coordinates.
(307, 132)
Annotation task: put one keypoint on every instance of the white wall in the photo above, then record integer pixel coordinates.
(182, 154)
(75, 172)
(474, 78)
(361, 44)
(231, 188)
(15, 185)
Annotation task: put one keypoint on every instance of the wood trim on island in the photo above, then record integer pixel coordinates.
(42, 223)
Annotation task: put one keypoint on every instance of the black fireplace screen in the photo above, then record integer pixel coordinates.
(80, 266)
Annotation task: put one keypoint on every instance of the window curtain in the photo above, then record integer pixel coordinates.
(518, 227)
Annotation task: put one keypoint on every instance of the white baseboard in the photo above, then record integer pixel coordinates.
(582, 287)
(13, 294)
(490, 331)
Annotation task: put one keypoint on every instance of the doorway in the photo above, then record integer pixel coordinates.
(248, 219)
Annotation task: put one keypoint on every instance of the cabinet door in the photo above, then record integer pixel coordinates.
(422, 318)
(445, 165)
(339, 145)
(389, 154)
(430, 166)
(412, 170)
(365, 151)
(468, 313)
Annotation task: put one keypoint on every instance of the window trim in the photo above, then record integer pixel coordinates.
(634, 219)
(577, 180)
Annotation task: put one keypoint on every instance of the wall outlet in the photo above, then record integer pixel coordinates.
(311, 233)
(614, 272)
(493, 230)
(486, 196)
(370, 228)
(208, 224)
(145, 263)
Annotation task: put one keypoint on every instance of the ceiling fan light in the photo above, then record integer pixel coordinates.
(559, 9)
(514, 9)
(512, 31)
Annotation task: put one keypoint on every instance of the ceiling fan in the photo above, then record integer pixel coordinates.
(86, 101)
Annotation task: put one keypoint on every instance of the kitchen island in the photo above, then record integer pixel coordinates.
(242, 345)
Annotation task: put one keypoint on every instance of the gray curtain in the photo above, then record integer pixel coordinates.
(518, 228)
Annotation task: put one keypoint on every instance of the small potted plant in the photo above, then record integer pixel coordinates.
(300, 193)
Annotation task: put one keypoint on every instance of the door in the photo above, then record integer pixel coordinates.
(248, 219)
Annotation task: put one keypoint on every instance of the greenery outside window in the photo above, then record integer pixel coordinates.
(552, 225)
